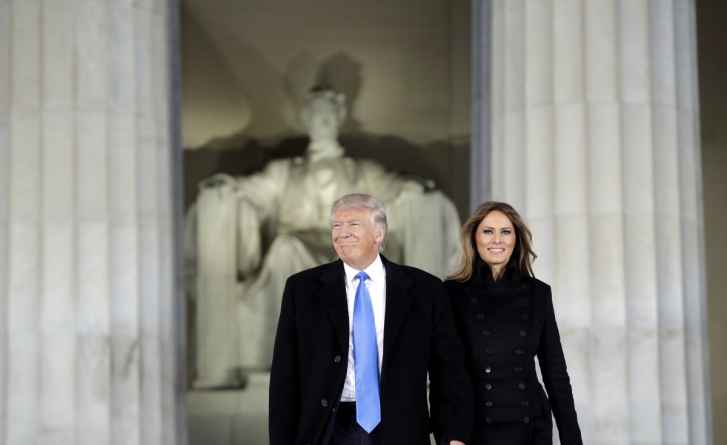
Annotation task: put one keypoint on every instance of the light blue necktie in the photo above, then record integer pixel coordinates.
(365, 358)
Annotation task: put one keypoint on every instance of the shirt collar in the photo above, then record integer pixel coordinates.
(375, 271)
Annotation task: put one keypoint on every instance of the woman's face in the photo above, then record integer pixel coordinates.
(495, 239)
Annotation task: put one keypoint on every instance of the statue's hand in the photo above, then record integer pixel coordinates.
(220, 180)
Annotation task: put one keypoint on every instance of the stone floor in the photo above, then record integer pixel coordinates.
(230, 417)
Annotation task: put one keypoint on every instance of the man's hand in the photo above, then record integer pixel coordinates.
(455, 442)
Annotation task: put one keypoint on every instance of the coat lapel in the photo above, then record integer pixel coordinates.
(333, 296)
(398, 303)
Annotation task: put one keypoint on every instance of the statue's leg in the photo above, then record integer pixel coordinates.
(440, 253)
(260, 308)
(217, 341)
(218, 293)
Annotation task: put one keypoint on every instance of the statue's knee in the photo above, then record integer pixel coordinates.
(283, 245)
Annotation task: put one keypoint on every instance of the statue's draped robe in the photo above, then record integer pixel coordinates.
(246, 236)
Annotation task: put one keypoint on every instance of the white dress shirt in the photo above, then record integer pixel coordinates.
(376, 285)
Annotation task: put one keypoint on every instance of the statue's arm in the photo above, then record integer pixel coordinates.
(229, 216)
(385, 184)
(264, 189)
(258, 196)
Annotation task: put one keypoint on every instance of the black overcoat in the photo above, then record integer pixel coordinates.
(311, 355)
(504, 326)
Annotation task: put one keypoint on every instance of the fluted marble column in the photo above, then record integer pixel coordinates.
(595, 138)
(87, 335)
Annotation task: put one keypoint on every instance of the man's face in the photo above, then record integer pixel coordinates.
(355, 236)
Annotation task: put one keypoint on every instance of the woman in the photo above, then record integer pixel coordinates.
(505, 317)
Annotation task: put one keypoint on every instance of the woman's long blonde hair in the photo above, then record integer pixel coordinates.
(522, 256)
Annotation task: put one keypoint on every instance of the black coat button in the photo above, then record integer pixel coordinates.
(488, 419)
(521, 386)
(480, 316)
(525, 316)
(488, 404)
(488, 386)
(474, 299)
(518, 369)
(486, 332)
(525, 403)
(526, 419)
(489, 350)
(337, 359)
(488, 370)
(523, 333)
(324, 403)
(518, 351)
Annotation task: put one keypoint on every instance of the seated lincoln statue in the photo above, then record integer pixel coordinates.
(245, 236)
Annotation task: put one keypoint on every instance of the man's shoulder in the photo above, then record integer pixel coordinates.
(411, 272)
(455, 285)
(315, 273)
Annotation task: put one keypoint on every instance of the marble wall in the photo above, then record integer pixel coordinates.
(88, 349)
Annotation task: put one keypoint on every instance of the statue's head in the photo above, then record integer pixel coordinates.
(323, 114)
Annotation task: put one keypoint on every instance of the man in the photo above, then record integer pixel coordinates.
(355, 341)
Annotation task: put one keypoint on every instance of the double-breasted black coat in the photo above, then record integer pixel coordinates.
(504, 326)
(311, 355)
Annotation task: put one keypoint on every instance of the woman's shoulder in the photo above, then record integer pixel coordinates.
(539, 289)
(538, 284)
